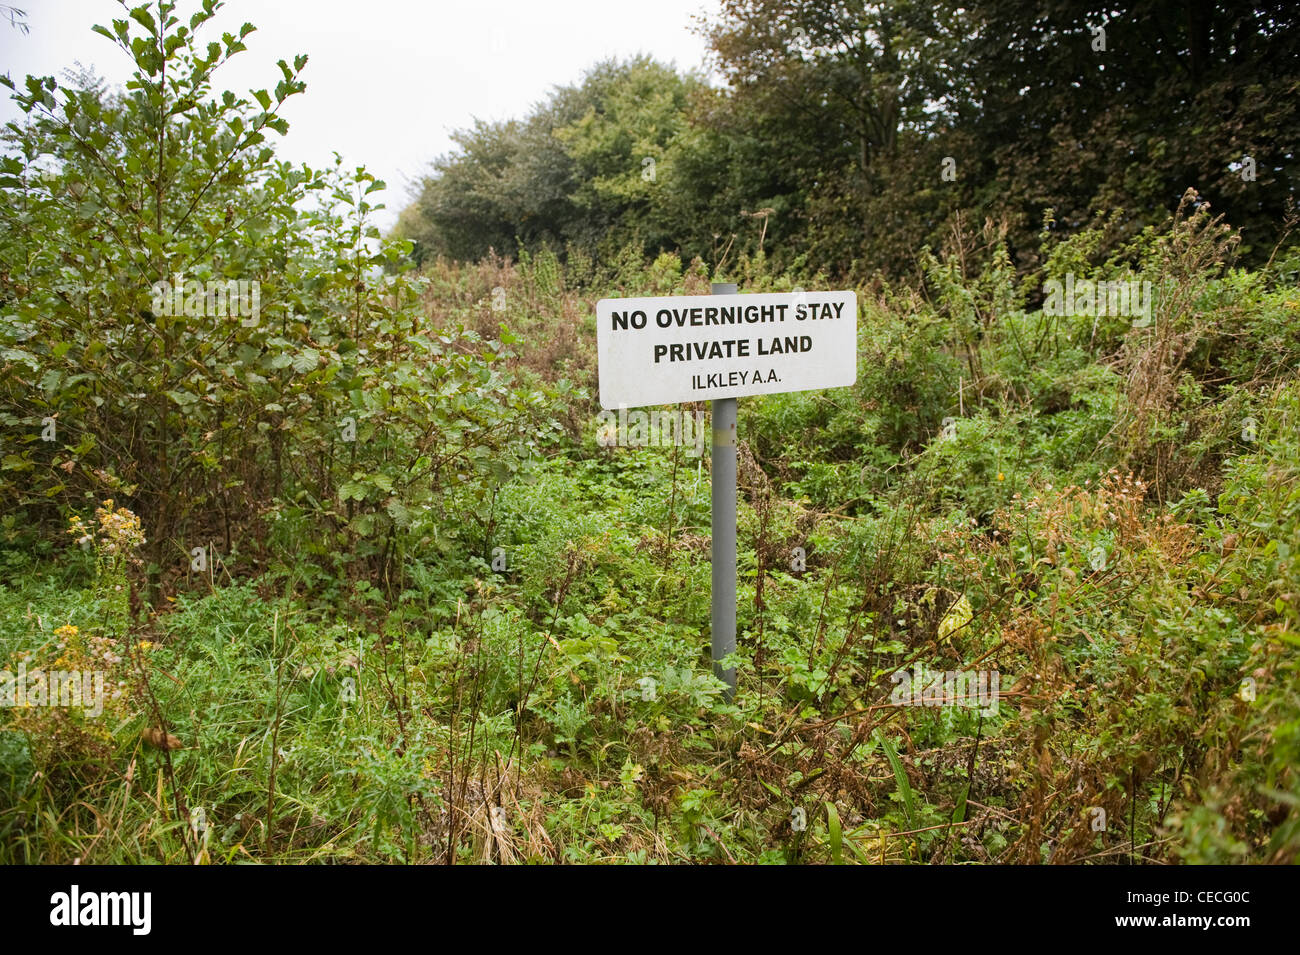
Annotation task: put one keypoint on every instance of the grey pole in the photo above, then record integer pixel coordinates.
(723, 632)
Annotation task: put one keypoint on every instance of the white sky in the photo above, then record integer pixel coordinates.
(387, 80)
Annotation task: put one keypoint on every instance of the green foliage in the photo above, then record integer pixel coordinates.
(315, 381)
(590, 166)
(436, 620)
(854, 134)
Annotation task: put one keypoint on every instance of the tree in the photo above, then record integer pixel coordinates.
(834, 102)
(575, 170)
(182, 337)
(1089, 108)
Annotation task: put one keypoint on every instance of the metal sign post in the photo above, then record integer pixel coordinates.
(723, 548)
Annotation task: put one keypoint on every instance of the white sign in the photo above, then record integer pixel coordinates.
(656, 351)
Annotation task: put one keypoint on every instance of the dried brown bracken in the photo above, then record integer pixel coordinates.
(160, 739)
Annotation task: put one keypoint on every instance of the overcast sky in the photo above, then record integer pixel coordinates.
(388, 80)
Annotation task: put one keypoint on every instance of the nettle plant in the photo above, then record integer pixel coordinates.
(182, 333)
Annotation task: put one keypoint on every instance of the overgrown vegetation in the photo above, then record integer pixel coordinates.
(365, 587)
